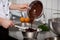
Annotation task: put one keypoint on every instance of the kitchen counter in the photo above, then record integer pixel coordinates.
(14, 32)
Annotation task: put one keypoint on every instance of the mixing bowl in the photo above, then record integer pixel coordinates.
(54, 25)
(31, 35)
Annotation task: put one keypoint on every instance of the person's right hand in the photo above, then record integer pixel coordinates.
(23, 7)
(7, 23)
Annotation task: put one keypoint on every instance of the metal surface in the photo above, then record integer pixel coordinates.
(53, 38)
(54, 25)
(30, 34)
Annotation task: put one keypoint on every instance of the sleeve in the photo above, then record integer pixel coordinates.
(2, 15)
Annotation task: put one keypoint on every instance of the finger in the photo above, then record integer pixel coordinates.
(11, 24)
(23, 9)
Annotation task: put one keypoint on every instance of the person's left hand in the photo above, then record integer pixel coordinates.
(23, 7)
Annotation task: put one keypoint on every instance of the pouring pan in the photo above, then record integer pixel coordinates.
(36, 8)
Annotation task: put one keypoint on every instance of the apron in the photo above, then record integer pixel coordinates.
(4, 34)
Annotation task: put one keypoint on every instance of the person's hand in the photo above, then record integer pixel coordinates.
(7, 23)
(23, 7)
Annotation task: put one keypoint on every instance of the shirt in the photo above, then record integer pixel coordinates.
(4, 9)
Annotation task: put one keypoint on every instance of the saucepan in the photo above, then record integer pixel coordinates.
(36, 9)
(28, 32)
(31, 33)
(54, 25)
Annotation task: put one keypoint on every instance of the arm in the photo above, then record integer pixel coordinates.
(6, 23)
(1, 21)
(18, 6)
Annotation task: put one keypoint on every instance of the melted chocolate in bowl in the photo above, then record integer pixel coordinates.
(35, 10)
(30, 30)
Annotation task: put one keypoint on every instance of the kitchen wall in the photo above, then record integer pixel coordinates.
(51, 7)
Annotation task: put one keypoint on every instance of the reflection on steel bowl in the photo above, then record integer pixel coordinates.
(55, 25)
(30, 33)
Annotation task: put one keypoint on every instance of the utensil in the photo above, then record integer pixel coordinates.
(54, 25)
(21, 27)
(31, 35)
(26, 28)
(35, 10)
(27, 34)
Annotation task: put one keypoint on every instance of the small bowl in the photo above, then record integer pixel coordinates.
(31, 35)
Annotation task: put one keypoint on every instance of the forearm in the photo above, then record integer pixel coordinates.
(14, 6)
(6, 23)
(1, 20)
(18, 6)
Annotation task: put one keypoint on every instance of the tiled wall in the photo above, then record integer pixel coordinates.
(50, 7)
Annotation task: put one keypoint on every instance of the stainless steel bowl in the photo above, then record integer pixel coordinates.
(54, 25)
(31, 35)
